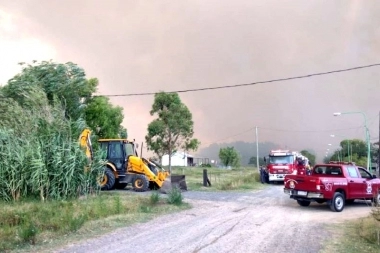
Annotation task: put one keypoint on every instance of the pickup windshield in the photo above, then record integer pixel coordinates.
(281, 159)
(328, 170)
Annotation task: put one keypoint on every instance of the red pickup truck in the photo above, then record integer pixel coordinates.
(336, 183)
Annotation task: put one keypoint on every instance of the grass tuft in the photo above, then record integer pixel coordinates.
(154, 198)
(28, 232)
(175, 196)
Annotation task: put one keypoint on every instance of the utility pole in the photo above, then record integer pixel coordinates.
(257, 151)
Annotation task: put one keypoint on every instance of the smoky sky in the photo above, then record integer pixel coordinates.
(148, 46)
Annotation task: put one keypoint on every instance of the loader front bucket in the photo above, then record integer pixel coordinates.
(174, 181)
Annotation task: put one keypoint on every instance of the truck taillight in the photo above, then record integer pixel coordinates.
(318, 185)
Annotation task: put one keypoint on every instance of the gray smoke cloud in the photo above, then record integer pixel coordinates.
(147, 46)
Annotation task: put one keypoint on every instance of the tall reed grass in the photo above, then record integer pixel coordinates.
(42, 158)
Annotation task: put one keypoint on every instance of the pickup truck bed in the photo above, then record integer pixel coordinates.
(334, 183)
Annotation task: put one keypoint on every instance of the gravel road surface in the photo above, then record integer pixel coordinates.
(263, 221)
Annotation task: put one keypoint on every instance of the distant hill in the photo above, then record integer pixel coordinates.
(246, 150)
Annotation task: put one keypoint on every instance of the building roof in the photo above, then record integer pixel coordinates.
(182, 154)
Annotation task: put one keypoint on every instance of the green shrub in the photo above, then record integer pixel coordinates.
(145, 208)
(76, 223)
(154, 198)
(175, 196)
(28, 232)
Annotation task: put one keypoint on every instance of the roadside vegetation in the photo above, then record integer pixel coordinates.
(49, 187)
(31, 225)
(361, 235)
(243, 178)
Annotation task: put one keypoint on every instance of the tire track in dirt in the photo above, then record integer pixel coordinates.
(263, 221)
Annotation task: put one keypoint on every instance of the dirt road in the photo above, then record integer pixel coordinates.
(264, 221)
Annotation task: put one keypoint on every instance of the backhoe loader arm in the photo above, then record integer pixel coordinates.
(85, 142)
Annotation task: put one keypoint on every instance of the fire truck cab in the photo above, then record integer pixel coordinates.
(281, 163)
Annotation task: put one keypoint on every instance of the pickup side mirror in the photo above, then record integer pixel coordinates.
(374, 176)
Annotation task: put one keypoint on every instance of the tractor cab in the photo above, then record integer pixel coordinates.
(117, 151)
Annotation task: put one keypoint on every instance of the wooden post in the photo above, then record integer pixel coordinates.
(206, 181)
(204, 177)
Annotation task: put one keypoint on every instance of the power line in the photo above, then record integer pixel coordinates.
(246, 84)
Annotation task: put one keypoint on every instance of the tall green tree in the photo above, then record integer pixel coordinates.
(310, 156)
(173, 129)
(357, 154)
(123, 132)
(65, 82)
(104, 117)
(229, 157)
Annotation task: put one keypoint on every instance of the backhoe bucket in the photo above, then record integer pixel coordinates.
(174, 181)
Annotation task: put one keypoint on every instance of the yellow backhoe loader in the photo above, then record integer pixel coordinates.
(124, 167)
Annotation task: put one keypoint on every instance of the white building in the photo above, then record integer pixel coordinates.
(178, 159)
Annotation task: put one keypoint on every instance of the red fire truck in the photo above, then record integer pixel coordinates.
(280, 163)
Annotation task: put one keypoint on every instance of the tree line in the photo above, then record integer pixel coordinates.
(354, 150)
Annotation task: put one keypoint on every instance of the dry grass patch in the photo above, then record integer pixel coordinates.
(362, 235)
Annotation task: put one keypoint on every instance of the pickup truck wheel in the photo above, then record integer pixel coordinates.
(337, 203)
(303, 202)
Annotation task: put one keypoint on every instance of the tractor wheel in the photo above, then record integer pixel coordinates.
(140, 183)
(107, 182)
(121, 186)
(337, 203)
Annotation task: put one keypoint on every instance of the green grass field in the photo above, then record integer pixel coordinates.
(221, 179)
(33, 223)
